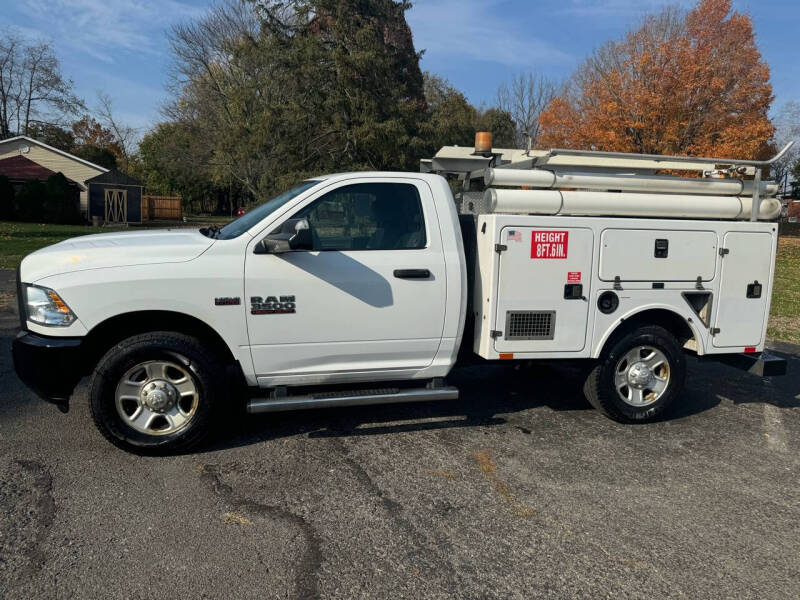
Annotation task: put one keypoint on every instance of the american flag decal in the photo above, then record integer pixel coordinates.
(514, 236)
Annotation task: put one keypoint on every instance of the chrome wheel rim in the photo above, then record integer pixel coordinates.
(642, 376)
(157, 397)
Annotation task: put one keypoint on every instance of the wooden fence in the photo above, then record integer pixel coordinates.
(162, 207)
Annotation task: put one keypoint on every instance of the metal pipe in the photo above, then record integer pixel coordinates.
(555, 202)
(544, 178)
(669, 158)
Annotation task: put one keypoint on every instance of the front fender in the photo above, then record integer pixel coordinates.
(188, 288)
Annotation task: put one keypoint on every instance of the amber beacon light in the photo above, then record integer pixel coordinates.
(483, 142)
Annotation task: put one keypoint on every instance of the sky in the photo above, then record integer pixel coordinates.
(120, 46)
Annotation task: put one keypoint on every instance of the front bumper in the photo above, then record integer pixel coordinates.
(50, 366)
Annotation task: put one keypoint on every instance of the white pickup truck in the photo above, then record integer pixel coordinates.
(359, 288)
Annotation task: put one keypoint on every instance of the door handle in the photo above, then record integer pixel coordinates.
(412, 273)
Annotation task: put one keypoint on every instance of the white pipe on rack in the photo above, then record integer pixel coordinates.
(555, 202)
(543, 178)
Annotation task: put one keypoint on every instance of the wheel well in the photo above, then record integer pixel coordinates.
(671, 321)
(111, 331)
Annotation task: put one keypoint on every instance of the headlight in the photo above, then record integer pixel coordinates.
(45, 307)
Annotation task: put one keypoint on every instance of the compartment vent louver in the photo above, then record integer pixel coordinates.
(530, 324)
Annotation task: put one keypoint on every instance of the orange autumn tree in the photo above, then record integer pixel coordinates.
(683, 83)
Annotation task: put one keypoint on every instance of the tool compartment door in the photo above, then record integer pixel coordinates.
(536, 267)
(657, 255)
(740, 319)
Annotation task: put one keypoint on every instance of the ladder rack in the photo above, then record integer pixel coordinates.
(551, 169)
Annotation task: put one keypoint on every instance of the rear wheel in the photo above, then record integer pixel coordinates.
(638, 377)
(156, 393)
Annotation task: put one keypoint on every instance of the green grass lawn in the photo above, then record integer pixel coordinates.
(784, 320)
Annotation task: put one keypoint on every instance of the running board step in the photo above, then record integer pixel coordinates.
(354, 398)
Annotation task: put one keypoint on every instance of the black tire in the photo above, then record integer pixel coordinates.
(600, 389)
(205, 372)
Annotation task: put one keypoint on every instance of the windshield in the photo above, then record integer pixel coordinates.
(249, 219)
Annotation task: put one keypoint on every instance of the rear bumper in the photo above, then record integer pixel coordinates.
(50, 366)
(764, 364)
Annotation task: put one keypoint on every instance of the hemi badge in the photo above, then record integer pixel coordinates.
(227, 301)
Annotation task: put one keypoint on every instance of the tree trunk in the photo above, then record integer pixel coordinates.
(29, 99)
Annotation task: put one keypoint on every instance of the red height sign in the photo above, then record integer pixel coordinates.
(549, 244)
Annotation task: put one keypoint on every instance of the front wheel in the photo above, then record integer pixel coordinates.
(638, 377)
(156, 393)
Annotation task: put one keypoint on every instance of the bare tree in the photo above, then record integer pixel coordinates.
(125, 135)
(46, 93)
(32, 88)
(222, 86)
(787, 129)
(205, 49)
(524, 98)
(10, 67)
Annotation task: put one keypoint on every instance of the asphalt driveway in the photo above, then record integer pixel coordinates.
(518, 490)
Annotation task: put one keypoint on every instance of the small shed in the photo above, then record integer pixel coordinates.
(115, 198)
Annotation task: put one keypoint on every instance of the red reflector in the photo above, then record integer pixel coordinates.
(750, 350)
(508, 356)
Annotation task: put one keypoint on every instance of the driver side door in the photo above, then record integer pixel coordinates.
(367, 302)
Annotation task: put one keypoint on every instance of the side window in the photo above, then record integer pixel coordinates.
(367, 216)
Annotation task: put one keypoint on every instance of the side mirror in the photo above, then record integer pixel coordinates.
(294, 234)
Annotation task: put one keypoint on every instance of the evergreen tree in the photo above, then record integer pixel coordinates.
(269, 92)
(352, 81)
(297, 88)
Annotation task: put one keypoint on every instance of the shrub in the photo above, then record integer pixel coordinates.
(61, 201)
(7, 212)
(30, 201)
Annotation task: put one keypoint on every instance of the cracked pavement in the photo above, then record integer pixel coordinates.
(518, 490)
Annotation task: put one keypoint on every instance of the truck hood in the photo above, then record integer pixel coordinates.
(114, 250)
